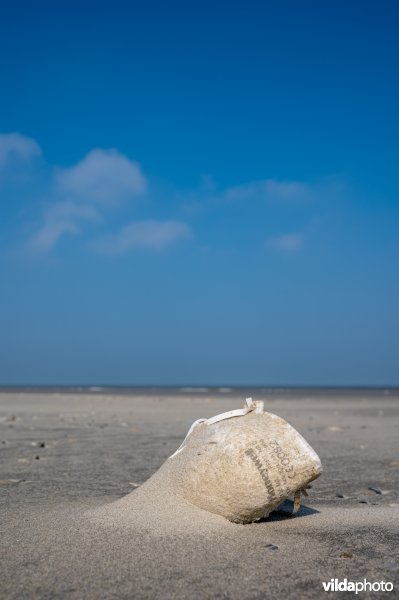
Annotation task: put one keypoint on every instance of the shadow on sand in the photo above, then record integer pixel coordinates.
(284, 512)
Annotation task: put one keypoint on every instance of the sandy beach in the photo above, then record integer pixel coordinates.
(66, 456)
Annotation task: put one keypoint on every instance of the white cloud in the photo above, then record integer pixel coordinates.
(146, 235)
(84, 194)
(103, 178)
(288, 242)
(15, 147)
(102, 181)
(269, 189)
(59, 219)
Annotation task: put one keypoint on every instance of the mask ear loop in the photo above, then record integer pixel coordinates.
(249, 406)
(297, 500)
(193, 426)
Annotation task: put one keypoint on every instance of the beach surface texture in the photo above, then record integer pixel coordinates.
(75, 522)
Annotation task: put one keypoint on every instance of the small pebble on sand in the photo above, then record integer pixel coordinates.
(341, 495)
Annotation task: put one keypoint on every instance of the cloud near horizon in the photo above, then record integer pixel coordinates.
(143, 235)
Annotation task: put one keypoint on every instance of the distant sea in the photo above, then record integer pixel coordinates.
(241, 391)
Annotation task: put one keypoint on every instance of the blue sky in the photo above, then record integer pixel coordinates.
(199, 193)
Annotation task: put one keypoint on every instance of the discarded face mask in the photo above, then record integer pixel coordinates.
(241, 464)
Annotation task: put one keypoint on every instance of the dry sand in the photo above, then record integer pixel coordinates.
(69, 530)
